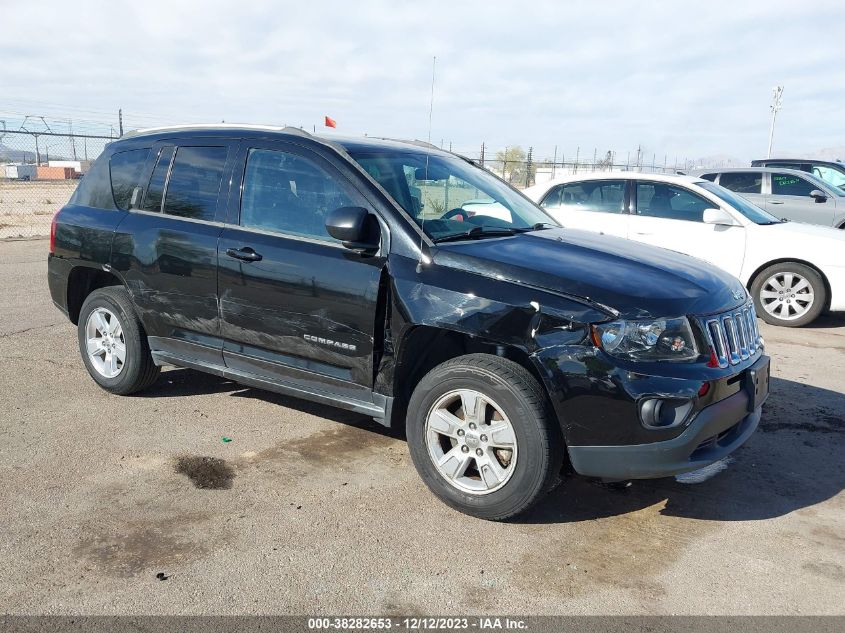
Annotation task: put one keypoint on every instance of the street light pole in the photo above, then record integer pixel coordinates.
(777, 100)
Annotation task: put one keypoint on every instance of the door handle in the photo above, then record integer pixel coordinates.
(775, 201)
(246, 254)
(642, 233)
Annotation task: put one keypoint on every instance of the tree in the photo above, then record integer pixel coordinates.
(512, 163)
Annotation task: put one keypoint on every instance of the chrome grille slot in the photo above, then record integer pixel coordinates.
(733, 336)
(730, 335)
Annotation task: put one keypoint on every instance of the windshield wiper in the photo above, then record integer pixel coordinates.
(477, 232)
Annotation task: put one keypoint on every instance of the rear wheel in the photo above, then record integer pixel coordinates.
(789, 294)
(112, 342)
(481, 438)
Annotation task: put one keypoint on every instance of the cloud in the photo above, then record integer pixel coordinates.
(682, 78)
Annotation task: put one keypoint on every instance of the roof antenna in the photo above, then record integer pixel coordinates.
(430, 112)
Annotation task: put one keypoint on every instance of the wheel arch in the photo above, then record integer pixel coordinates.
(792, 260)
(423, 347)
(82, 281)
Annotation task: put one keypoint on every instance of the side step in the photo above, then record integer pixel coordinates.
(381, 413)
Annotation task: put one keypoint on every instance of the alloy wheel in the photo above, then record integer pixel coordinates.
(787, 296)
(105, 344)
(471, 441)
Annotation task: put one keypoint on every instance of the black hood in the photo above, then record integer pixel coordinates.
(636, 280)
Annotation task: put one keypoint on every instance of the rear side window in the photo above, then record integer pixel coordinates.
(95, 188)
(126, 168)
(155, 190)
(788, 185)
(742, 182)
(710, 177)
(194, 183)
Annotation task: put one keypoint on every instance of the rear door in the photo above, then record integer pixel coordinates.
(297, 307)
(790, 198)
(670, 216)
(592, 205)
(166, 248)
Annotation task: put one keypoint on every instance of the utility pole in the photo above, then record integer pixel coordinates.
(120, 120)
(528, 167)
(554, 162)
(777, 100)
(72, 139)
(482, 153)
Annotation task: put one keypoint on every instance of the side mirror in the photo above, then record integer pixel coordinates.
(355, 227)
(818, 195)
(719, 217)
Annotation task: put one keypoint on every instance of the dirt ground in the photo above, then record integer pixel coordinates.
(27, 207)
(128, 505)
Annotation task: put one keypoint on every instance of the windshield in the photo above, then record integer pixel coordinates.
(830, 176)
(449, 197)
(750, 211)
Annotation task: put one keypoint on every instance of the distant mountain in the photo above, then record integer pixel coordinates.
(11, 155)
(829, 153)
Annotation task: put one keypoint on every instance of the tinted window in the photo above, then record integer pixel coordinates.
(789, 185)
(194, 182)
(603, 196)
(290, 194)
(710, 177)
(742, 182)
(95, 188)
(155, 190)
(126, 168)
(659, 200)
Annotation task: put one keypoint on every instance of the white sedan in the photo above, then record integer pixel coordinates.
(793, 271)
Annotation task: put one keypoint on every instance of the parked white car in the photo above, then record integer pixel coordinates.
(793, 271)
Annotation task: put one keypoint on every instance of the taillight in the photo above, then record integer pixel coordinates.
(53, 233)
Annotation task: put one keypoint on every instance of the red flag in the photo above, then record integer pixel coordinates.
(330, 122)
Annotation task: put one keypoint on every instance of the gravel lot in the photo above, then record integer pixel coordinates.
(27, 207)
(321, 511)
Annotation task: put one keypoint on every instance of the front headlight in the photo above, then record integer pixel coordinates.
(657, 339)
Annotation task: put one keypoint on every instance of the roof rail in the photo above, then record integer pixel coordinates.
(216, 126)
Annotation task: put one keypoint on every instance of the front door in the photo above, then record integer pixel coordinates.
(671, 216)
(591, 205)
(790, 198)
(296, 306)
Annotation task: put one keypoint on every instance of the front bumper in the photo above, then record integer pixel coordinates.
(716, 432)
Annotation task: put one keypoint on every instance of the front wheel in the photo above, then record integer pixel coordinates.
(481, 438)
(789, 294)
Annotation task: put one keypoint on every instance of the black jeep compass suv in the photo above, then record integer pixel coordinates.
(406, 283)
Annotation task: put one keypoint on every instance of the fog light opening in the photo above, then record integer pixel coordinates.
(664, 413)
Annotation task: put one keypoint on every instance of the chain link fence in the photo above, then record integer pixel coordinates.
(38, 173)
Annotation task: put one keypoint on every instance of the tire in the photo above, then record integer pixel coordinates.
(772, 281)
(515, 404)
(136, 371)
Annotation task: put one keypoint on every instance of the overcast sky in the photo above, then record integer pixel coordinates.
(679, 78)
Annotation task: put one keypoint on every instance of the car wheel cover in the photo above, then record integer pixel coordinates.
(105, 344)
(787, 296)
(471, 441)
